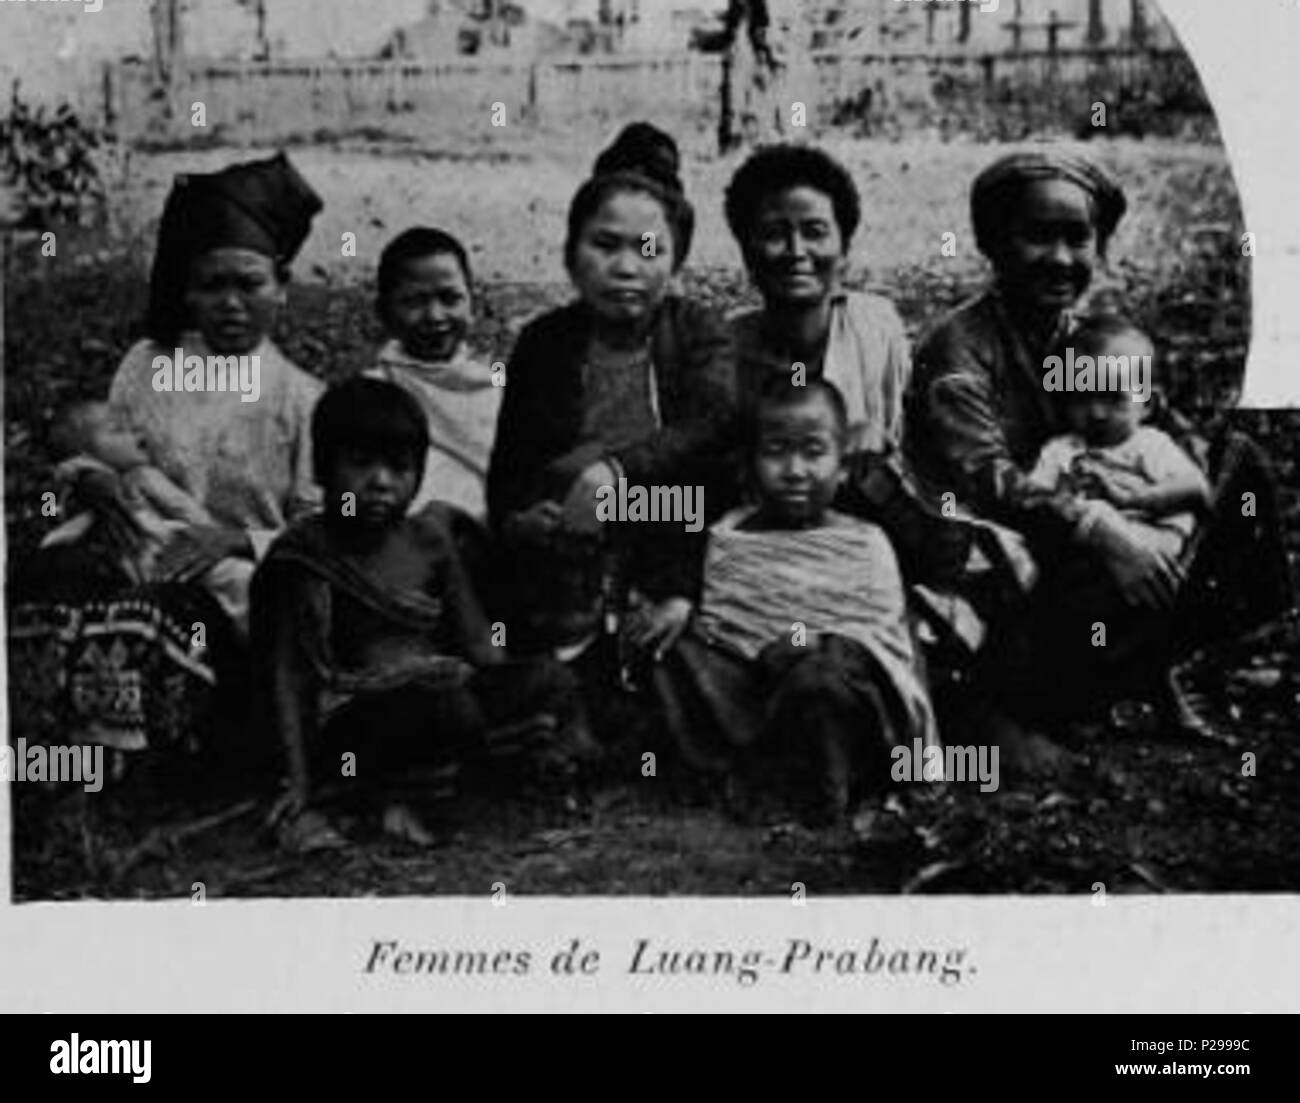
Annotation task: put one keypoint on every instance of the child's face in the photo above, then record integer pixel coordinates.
(798, 461)
(796, 251)
(111, 442)
(233, 297)
(1105, 418)
(1047, 257)
(384, 486)
(430, 308)
(611, 269)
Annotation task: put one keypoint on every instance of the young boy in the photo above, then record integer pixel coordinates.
(379, 655)
(91, 439)
(1116, 462)
(427, 307)
(801, 634)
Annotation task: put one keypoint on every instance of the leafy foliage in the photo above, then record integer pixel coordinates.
(50, 157)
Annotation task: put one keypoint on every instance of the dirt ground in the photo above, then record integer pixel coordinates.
(1145, 812)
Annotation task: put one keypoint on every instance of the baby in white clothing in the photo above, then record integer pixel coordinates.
(1117, 463)
(96, 441)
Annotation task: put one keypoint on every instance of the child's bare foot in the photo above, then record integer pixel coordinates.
(1185, 709)
(309, 831)
(402, 823)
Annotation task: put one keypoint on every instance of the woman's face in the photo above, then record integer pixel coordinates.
(233, 297)
(1050, 249)
(612, 266)
(795, 251)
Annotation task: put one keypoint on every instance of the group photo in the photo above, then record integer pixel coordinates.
(600, 450)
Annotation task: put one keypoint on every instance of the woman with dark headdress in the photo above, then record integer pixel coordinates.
(134, 661)
(630, 381)
(978, 412)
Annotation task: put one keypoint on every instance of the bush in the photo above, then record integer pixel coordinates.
(49, 160)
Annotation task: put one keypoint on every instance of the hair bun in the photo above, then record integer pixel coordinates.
(644, 149)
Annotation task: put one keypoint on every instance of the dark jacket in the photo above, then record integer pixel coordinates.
(539, 450)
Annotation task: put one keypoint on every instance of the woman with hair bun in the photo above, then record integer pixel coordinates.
(629, 381)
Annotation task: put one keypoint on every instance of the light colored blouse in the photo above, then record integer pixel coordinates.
(460, 403)
(867, 359)
(247, 463)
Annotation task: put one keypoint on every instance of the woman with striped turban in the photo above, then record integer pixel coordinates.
(977, 414)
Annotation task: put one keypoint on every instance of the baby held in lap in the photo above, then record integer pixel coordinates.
(93, 440)
(1128, 472)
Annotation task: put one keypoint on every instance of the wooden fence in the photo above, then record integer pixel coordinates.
(260, 102)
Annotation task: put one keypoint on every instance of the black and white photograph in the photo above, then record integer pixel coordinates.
(635, 448)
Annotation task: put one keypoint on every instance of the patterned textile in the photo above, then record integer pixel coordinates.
(117, 664)
(124, 672)
(619, 406)
(840, 580)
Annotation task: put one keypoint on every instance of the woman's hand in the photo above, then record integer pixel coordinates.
(580, 503)
(657, 628)
(536, 524)
(194, 551)
(1115, 490)
(1146, 578)
(98, 491)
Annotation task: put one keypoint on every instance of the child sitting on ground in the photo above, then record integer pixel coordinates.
(93, 440)
(380, 658)
(427, 307)
(1120, 465)
(801, 635)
